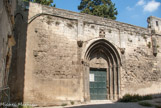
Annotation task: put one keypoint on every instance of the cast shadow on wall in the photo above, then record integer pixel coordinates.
(16, 76)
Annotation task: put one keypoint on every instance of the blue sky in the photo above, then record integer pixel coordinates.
(133, 12)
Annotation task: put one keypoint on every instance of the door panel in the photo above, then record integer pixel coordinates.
(98, 84)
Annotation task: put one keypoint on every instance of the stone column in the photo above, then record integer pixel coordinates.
(118, 81)
(86, 82)
(115, 81)
(111, 83)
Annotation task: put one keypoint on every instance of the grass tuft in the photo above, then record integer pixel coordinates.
(24, 106)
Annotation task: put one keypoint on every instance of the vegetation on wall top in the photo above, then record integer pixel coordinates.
(43, 2)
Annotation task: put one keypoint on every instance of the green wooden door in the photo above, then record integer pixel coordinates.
(98, 84)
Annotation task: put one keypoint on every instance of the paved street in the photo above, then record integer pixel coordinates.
(111, 105)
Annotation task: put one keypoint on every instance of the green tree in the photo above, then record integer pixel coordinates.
(43, 2)
(102, 8)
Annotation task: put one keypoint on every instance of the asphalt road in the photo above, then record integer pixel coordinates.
(111, 105)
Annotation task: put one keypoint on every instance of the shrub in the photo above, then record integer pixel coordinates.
(134, 98)
(149, 44)
(143, 35)
(147, 97)
(158, 106)
(72, 103)
(64, 104)
(110, 31)
(145, 104)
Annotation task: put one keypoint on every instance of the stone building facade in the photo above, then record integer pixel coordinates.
(7, 8)
(64, 56)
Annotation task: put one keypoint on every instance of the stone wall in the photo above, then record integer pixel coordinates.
(16, 77)
(142, 72)
(6, 41)
(51, 60)
(155, 24)
(56, 42)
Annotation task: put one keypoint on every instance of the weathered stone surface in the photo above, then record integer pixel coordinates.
(154, 24)
(6, 39)
(6, 43)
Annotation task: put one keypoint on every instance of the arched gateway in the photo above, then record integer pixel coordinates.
(102, 71)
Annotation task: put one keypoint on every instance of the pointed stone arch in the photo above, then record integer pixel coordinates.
(109, 53)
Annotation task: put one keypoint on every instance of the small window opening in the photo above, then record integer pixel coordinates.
(157, 23)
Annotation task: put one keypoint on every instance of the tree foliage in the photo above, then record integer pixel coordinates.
(43, 2)
(102, 8)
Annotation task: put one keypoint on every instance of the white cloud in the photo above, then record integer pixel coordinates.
(140, 2)
(151, 6)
